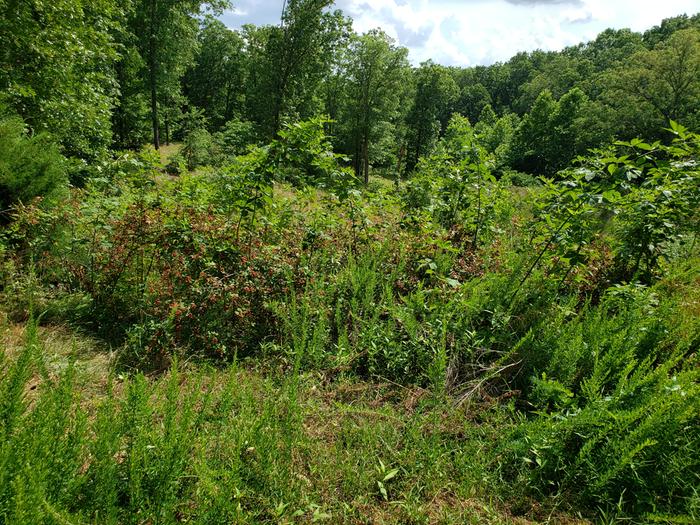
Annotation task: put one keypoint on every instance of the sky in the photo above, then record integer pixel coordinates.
(481, 32)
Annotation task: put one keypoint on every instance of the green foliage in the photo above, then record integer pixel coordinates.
(495, 135)
(519, 179)
(436, 92)
(234, 138)
(553, 133)
(611, 47)
(474, 98)
(212, 446)
(559, 75)
(644, 195)
(164, 34)
(56, 69)
(510, 304)
(456, 185)
(617, 407)
(197, 148)
(216, 80)
(409, 348)
(159, 268)
(287, 63)
(303, 155)
(376, 71)
(201, 148)
(30, 166)
(658, 85)
(142, 452)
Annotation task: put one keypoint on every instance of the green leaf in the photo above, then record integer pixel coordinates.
(454, 283)
(391, 474)
(383, 491)
(611, 195)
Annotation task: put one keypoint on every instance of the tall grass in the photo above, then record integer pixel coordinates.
(187, 446)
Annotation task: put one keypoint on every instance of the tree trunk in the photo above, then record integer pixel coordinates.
(167, 131)
(227, 105)
(365, 158)
(399, 161)
(154, 107)
(119, 116)
(357, 157)
(152, 77)
(419, 140)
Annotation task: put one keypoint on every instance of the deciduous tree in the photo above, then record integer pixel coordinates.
(435, 93)
(377, 74)
(166, 39)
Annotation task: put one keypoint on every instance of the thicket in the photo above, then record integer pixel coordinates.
(565, 314)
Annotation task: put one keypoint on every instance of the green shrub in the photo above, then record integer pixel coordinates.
(455, 185)
(177, 165)
(502, 301)
(234, 139)
(30, 166)
(519, 179)
(197, 148)
(640, 199)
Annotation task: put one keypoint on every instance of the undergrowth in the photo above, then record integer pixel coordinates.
(293, 348)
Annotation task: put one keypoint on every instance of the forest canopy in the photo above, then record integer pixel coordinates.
(112, 75)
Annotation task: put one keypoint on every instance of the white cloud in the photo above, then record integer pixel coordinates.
(470, 32)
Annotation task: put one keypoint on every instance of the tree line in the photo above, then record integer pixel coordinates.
(101, 75)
